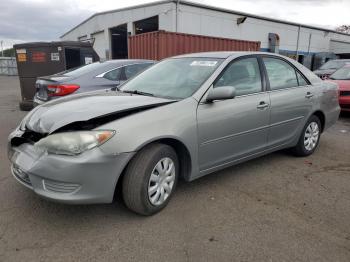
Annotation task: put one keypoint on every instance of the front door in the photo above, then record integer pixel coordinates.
(232, 129)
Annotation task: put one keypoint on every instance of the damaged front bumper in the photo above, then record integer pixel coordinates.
(87, 178)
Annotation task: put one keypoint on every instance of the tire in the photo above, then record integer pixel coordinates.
(25, 106)
(159, 161)
(303, 148)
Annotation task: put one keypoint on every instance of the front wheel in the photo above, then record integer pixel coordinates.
(309, 138)
(150, 179)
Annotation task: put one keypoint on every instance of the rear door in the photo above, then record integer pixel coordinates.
(291, 99)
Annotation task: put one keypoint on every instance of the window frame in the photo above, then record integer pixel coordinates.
(119, 77)
(122, 67)
(262, 74)
(125, 68)
(268, 88)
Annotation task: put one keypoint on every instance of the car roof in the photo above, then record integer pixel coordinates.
(224, 54)
(127, 61)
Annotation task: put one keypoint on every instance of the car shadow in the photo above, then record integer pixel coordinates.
(344, 115)
(51, 211)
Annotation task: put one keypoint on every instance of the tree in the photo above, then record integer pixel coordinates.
(10, 52)
(343, 29)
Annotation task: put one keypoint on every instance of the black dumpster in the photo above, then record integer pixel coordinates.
(46, 58)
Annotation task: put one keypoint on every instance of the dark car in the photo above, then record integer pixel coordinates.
(330, 67)
(95, 76)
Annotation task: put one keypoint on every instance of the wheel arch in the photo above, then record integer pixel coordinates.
(322, 118)
(183, 153)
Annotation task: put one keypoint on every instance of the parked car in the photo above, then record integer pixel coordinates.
(342, 78)
(95, 76)
(186, 117)
(330, 67)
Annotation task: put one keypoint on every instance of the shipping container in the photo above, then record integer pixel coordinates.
(46, 58)
(162, 44)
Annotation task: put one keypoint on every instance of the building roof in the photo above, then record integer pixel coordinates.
(209, 7)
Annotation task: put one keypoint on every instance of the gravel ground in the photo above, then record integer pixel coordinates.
(275, 208)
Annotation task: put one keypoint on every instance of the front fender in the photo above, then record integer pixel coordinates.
(175, 121)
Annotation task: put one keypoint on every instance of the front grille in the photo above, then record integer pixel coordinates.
(344, 93)
(21, 175)
(60, 187)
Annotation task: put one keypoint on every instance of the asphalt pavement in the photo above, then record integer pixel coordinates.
(274, 208)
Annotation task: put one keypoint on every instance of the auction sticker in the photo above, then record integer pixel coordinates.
(203, 63)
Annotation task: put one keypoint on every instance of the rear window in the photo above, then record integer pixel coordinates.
(78, 71)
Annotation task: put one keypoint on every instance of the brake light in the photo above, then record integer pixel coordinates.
(61, 90)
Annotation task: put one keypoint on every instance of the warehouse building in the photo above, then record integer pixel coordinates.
(109, 31)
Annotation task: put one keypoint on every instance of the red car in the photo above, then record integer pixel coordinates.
(342, 78)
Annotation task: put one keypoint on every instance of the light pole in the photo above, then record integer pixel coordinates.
(2, 49)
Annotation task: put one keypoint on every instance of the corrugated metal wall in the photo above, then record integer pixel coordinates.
(162, 44)
(8, 66)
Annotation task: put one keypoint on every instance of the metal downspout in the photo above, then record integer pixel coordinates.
(177, 15)
(297, 51)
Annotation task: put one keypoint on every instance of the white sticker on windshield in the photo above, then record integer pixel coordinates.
(203, 63)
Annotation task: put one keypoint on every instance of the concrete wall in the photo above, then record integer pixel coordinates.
(203, 21)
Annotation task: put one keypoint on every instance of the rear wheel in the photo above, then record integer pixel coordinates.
(150, 179)
(309, 138)
(25, 106)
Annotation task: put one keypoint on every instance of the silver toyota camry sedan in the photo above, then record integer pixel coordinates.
(185, 117)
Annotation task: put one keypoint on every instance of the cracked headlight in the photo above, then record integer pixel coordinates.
(73, 143)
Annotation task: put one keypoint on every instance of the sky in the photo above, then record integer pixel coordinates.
(46, 20)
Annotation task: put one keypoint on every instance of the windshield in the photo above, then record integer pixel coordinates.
(333, 64)
(173, 78)
(341, 74)
(77, 71)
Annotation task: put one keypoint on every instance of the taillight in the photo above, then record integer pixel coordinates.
(61, 90)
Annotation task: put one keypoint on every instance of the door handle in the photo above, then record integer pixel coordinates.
(309, 95)
(262, 105)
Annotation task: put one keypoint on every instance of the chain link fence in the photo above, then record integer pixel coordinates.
(8, 66)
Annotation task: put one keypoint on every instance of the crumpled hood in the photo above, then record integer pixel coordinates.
(53, 115)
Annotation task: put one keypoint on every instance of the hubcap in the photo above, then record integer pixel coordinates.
(311, 136)
(161, 181)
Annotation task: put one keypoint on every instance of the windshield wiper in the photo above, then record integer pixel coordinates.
(137, 92)
(115, 88)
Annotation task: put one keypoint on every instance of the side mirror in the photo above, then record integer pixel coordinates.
(221, 93)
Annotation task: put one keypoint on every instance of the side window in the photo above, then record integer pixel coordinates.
(113, 75)
(132, 70)
(301, 79)
(243, 74)
(280, 73)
